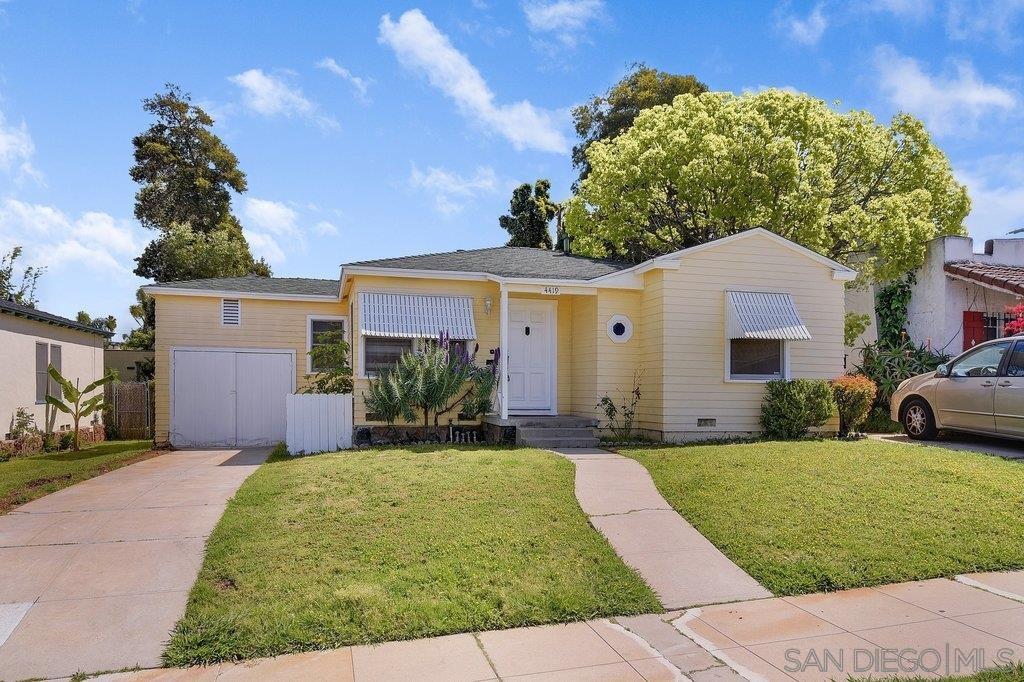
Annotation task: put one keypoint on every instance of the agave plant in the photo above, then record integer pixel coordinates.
(73, 403)
(888, 365)
(434, 381)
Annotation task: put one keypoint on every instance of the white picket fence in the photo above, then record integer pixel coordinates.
(319, 423)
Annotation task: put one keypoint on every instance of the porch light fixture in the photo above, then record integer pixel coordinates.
(620, 328)
(488, 304)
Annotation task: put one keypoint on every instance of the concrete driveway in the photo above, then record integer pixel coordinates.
(94, 577)
(1000, 447)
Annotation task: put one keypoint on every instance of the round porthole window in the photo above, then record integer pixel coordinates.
(620, 328)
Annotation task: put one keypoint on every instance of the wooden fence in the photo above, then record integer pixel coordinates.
(131, 408)
(319, 422)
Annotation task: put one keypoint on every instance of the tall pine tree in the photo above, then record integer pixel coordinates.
(530, 211)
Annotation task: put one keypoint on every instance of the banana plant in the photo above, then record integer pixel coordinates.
(73, 403)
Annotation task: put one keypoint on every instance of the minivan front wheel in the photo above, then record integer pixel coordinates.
(918, 421)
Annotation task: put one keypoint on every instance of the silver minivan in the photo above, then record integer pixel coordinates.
(980, 391)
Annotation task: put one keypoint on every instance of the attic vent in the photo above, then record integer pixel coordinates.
(231, 312)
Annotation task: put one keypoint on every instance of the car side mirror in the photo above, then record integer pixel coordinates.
(942, 370)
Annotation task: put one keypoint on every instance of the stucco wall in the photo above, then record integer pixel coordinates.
(81, 360)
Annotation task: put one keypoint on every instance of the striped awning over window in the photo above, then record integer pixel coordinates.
(406, 316)
(762, 315)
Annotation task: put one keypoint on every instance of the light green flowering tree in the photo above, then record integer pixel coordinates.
(706, 166)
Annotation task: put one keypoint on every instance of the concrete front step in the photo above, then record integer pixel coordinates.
(566, 421)
(550, 443)
(528, 434)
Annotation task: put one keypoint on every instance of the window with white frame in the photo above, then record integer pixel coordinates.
(756, 359)
(381, 352)
(321, 330)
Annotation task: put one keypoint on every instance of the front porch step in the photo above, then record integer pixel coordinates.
(552, 443)
(545, 421)
(531, 434)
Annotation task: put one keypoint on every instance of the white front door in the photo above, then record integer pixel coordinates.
(531, 355)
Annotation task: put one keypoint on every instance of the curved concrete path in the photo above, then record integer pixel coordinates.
(93, 577)
(679, 563)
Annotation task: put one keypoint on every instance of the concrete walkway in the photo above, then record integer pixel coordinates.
(931, 628)
(94, 577)
(680, 564)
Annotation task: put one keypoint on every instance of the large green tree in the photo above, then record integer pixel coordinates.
(607, 115)
(842, 184)
(183, 253)
(187, 176)
(530, 211)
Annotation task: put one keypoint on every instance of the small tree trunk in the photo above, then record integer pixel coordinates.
(76, 446)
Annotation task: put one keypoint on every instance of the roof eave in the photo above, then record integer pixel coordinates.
(224, 293)
(70, 324)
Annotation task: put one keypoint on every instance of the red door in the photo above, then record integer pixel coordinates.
(974, 328)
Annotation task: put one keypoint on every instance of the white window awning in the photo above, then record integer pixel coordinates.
(406, 316)
(764, 315)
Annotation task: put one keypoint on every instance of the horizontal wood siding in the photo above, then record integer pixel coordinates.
(195, 321)
(693, 320)
(487, 329)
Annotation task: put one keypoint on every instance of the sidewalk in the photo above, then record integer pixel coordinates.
(930, 628)
(679, 563)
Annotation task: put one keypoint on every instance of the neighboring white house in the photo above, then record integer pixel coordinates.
(31, 340)
(960, 297)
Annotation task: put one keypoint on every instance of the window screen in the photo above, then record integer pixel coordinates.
(318, 329)
(381, 353)
(55, 361)
(42, 379)
(755, 359)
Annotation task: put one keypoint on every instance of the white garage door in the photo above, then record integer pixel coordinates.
(230, 398)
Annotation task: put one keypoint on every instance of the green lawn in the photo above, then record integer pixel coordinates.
(330, 550)
(823, 515)
(23, 479)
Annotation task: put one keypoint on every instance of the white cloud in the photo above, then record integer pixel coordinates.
(805, 30)
(16, 151)
(996, 186)
(985, 20)
(450, 190)
(567, 20)
(952, 102)
(264, 246)
(271, 216)
(326, 228)
(905, 9)
(359, 85)
(95, 240)
(420, 46)
(270, 95)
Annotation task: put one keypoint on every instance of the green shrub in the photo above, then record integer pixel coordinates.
(67, 440)
(51, 442)
(854, 394)
(887, 365)
(791, 407)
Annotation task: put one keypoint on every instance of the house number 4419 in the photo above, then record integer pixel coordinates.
(553, 291)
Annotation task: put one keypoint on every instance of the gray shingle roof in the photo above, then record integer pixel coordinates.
(504, 261)
(294, 286)
(18, 310)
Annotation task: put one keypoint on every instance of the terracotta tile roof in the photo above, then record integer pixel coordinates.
(1008, 277)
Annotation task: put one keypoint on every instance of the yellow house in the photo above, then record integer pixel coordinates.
(702, 329)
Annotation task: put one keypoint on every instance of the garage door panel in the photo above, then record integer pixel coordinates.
(204, 400)
(263, 382)
(230, 398)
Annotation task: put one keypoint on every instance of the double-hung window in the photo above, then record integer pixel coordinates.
(322, 330)
(46, 355)
(381, 353)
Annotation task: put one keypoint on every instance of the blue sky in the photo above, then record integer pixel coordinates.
(380, 129)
